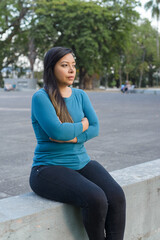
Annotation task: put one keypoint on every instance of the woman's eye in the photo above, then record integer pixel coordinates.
(66, 65)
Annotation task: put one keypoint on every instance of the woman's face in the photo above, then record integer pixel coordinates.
(65, 70)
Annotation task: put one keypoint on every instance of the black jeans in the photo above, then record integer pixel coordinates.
(91, 188)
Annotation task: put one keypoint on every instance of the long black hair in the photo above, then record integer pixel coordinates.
(50, 82)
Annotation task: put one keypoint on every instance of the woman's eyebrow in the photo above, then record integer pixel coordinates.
(67, 62)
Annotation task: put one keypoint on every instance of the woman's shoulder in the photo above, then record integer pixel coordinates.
(40, 95)
(78, 91)
(40, 92)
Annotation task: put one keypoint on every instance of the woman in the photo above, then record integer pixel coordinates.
(63, 119)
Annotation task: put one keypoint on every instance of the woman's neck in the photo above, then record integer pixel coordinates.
(65, 91)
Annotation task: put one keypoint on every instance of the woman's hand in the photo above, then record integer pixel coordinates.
(85, 123)
(74, 140)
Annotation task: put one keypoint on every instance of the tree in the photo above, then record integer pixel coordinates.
(12, 13)
(82, 29)
(124, 20)
(94, 31)
(21, 33)
(154, 6)
(140, 53)
(102, 34)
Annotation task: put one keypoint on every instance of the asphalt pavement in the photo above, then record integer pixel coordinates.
(129, 134)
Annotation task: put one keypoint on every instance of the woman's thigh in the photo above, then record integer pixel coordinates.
(97, 174)
(64, 185)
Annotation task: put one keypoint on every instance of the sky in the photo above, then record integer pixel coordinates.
(146, 14)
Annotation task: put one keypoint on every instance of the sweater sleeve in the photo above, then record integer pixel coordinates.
(44, 112)
(90, 114)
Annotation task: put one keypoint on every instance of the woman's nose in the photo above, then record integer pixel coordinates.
(71, 69)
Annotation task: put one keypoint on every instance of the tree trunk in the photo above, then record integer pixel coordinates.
(32, 55)
(157, 38)
(127, 76)
(120, 76)
(150, 76)
(141, 71)
(88, 82)
(1, 79)
(82, 74)
(140, 78)
(106, 81)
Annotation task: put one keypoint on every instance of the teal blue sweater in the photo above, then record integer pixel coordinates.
(47, 125)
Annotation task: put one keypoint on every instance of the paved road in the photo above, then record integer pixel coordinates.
(129, 134)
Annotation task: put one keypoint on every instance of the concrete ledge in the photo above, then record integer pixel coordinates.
(31, 217)
(141, 184)
(155, 91)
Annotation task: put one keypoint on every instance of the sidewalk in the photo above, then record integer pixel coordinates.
(129, 134)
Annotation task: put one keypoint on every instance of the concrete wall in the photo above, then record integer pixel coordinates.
(28, 83)
(141, 184)
(31, 217)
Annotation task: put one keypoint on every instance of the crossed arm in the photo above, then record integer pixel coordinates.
(85, 124)
(44, 112)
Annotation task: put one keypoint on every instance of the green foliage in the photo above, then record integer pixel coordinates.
(83, 28)
(96, 32)
(106, 37)
(140, 53)
(12, 21)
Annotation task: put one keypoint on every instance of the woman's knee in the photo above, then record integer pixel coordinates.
(118, 200)
(98, 201)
